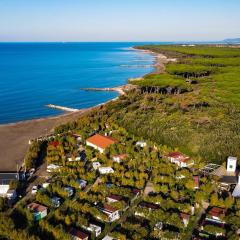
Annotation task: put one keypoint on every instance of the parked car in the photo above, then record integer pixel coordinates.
(56, 202)
(30, 172)
(69, 191)
(36, 188)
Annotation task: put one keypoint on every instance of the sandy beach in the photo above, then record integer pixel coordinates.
(14, 137)
(160, 61)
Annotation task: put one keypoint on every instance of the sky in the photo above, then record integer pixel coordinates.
(118, 20)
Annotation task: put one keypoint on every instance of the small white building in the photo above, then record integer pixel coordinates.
(96, 165)
(180, 159)
(111, 212)
(5, 180)
(107, 237)
(185, 218)
(158, 226)
(82, 183)
(105, 170)
(11, 194)
(97, 230)
(236, 191)
(45, 184)
(3, 190)
(119, 158)
(141, 144)
(53, 168)
(231, 164)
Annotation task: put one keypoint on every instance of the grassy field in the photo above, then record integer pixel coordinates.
(216, 69)
(203, 122)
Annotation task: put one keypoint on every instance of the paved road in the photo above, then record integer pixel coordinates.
(40, 174)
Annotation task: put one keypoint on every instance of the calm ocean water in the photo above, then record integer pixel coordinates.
(35, 74)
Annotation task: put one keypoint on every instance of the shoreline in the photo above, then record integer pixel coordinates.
(14, 137)
(120, 89)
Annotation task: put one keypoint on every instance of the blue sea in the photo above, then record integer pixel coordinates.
(33, 75)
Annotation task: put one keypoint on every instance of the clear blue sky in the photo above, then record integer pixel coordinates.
(119, 20)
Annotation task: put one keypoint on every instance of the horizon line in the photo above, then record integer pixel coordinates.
(186, 41)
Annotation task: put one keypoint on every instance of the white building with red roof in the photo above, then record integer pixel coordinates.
(119, 158)
(111, 212)
(196, 180)
(38, 211)
(100, 142)
(185, 218)
(78, 235)
(112, 198)
(180, 159)
(216, 214)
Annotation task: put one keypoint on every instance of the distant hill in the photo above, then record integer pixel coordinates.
(232, 40)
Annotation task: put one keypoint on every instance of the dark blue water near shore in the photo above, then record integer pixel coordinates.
(35, 74)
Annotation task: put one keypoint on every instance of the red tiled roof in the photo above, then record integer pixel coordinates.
(136, 191)
(121, 156)
(196, 181)
(75, 135)
(216, 211)
(35, 207)
(101, 141)
(184, 215)
(54, 143)
(77, 233)
(149, 205)
(109, 208)
(115, 197)
(178, 156)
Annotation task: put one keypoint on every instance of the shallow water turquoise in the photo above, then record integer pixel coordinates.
(33, 75)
